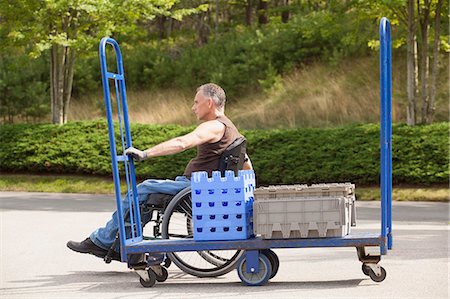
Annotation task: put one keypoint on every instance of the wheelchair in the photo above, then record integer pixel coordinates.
(171, 218)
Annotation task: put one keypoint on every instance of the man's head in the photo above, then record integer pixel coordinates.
(209, 100)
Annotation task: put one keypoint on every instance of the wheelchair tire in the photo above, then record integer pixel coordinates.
(202, 263)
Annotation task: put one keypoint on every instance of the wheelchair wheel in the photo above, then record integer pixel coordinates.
(177, 224)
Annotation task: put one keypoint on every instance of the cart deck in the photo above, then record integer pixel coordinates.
(164, 245)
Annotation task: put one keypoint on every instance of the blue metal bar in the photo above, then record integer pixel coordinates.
(129, 163)
(122, 158)
(114, 76)
(389, 138)
(252, 261)
(137, 213)
(386, 133)
(353, 240)
(127, 175)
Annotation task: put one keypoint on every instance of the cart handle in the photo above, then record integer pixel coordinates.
(386, 133)
(121, 98)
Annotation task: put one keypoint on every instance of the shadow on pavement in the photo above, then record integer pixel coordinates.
(126, 282)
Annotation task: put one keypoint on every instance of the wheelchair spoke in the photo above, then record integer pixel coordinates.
(185, 207)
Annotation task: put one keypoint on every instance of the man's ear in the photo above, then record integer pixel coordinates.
(210, 103)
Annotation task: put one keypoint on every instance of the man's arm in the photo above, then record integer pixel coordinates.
(207, 132)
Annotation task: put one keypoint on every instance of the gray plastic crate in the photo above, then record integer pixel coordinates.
(300, 211)
(346, 190)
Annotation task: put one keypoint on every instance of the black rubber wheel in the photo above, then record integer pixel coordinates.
(274, 261)
(167, 262)
(376, 278)
(107, 260)
(177, 224)
(255, 279)
(365, 269)
(148, 283)
(163, 276)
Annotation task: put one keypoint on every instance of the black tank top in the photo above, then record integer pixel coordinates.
(208, 154)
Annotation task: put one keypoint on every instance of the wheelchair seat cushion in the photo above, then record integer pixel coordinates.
(159, 200)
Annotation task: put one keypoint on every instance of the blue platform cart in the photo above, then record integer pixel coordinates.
(258, 264)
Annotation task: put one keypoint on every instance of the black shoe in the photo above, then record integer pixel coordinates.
(115, 256)
(87, 246)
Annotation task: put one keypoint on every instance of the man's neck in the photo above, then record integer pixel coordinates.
(213, 115)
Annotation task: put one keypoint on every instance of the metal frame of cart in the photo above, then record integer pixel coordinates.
(257, 265)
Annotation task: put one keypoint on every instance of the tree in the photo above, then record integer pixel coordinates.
(285, 12)
(23, 92)
(63, 29)
(249, 12)
(416, 18)
(434, 70)
(262, 12)
(411, 54)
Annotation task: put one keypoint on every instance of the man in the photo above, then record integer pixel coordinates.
(214, 134)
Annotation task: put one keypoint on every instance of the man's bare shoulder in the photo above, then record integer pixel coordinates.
(210, 131)
(212, 125)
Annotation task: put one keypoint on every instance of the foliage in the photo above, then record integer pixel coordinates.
(160, 39)
(244, 58)
(23, 87)
(64, 29)
(350, 153)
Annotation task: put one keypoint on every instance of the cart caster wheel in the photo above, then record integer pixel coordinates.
(376, 278)
(365, 269)
(255, 279)
(167, 262)
(163, 276)
(150, 282)
(274, 261)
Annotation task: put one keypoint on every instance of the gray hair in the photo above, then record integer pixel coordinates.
(215, 92)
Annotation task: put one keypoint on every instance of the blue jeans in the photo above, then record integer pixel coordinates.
(104, 236)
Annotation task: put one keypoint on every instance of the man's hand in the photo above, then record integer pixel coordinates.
(136, 154)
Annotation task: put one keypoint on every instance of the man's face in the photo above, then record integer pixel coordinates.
(202, 106)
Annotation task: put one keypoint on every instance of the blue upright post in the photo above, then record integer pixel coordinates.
(386, 134)
(120, 91)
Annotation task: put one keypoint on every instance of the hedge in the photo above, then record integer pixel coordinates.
(279, 156)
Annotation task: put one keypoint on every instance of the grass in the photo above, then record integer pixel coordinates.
(145, 107)
(441, 194)
(102, 185)
(318, 95)
(57, 183)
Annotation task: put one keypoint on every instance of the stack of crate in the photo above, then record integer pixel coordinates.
(222, 207)
(302, 211)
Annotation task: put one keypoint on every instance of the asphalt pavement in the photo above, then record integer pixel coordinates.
(35, 262)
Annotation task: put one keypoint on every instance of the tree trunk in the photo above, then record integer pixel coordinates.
(61, 79)
(68, 80)
(262, 12)
(249, 12)
(169, 27)
(285, 12)
(411, 68)
(434, 70)
(424, 59)
(56, 83)
(203, 30)
(216, 20)
(161, 21)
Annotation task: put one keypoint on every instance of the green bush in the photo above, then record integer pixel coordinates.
(350, 153)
